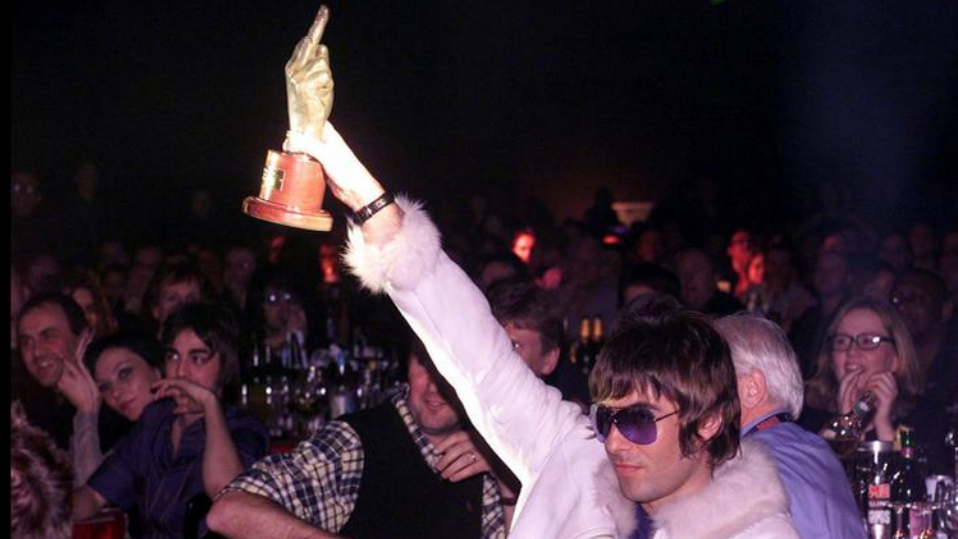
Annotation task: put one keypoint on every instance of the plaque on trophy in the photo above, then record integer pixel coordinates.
(293, 184)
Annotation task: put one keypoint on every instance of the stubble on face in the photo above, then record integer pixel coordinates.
(658, 473)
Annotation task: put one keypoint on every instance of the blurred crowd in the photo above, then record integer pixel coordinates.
(814, 279)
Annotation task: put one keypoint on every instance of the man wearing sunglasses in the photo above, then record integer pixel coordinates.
(667, 410)
(669, 415)
(771, 391)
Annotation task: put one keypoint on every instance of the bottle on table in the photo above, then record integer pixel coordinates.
(844, 432)
(579, 355)
(595, 344)
(908, 485)
(342, 384)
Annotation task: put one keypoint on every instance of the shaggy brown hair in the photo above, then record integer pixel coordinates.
(40, 482)
(660, 349)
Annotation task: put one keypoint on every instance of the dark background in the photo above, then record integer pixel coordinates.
(781, 104)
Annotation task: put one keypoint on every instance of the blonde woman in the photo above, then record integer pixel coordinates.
(867, 348)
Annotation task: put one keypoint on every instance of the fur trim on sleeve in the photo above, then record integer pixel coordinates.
(410, 257)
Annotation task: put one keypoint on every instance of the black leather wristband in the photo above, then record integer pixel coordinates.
(366, 212)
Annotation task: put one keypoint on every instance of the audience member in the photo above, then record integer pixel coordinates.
(586, 290)
(649, 278)
(830, 281)
(29, 226)
(771, 392)
(699, 291)
(522, 244)
(174, 285)
(84, 288)
(112, 251)
(642, 377)
(58, 393)
(648, 246)
(923, 240)
(895, 251)
(533, 321)
(876, 279)
(406, 468)
(498, 266)
(42, 269)
(868, 348)
(741, 249)
(125, 367)
(284, 309)
(779, 296)
(919, 296)
(83, 217)
(40, 479)
(188, 442)
(240, 264)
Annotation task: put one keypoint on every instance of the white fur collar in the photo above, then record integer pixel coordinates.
(621, 509)
(743, 491)
(408, 258)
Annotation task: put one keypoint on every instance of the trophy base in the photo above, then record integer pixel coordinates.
(284, 215)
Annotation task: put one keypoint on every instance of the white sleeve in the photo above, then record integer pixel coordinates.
(520, 417)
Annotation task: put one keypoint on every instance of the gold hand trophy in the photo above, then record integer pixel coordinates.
(293, 183)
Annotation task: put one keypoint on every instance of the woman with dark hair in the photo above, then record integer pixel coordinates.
(84, 287)
(188, 443)
(125, 366)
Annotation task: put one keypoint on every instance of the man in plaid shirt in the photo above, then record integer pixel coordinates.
(403, 469)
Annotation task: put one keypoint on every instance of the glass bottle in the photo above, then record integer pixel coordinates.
(909, 483)
(580, 350)
(874, 485)
(342, 384)
(845, 431)
(595, 344)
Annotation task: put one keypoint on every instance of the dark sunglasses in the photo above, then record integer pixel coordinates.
(636, 423)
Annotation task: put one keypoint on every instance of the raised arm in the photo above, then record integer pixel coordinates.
(398, 251)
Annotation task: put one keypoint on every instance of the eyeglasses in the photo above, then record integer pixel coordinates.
(274, 298)
(865, 341)
(636, 423)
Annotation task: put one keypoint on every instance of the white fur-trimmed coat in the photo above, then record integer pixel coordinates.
(569, 489)
(745, 500)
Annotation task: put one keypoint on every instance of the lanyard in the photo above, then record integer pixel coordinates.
(771, 421)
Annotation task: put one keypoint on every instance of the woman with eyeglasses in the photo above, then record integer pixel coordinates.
(867, 348)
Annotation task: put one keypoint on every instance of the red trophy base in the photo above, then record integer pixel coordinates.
(291, 193)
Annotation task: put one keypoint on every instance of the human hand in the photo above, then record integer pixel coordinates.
(885, 388)
(76, 383)
(296, 322)
(190, 397)
(461, 458)
(309, 81)
(849, 391)
(347, 177)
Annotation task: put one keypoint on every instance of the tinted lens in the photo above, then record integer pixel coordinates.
(636, 424)
(601, 421)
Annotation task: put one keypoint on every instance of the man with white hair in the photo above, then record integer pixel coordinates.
(771, 392)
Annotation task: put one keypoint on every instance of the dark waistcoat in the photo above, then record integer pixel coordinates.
(399, 494)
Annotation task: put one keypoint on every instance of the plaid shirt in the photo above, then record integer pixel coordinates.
(319, 481)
